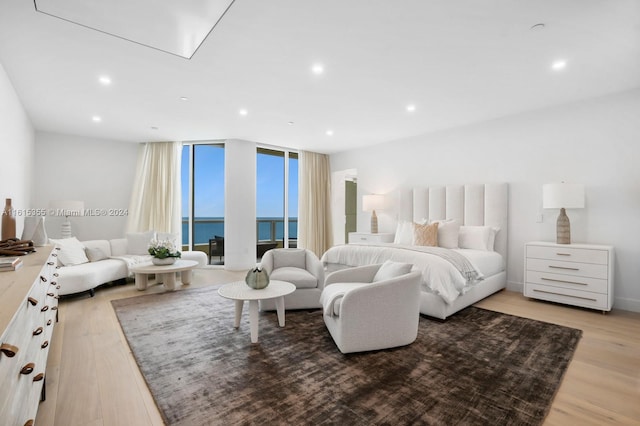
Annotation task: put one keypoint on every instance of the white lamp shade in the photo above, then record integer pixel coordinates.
(372, 202)
(563, 195)
(67, 207)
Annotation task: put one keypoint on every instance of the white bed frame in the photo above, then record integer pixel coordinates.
(476, 204)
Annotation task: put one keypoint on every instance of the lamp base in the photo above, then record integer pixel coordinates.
(563, 228)
(374, 222)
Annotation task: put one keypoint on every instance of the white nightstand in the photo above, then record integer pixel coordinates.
(575, 274)
(366, 237)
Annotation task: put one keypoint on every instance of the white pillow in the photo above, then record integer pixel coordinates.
(448, 231)
(404, 233)
(477, 237)
(71, 251)
(138, 242)
(390, 269)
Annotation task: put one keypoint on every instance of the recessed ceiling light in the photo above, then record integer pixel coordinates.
(317, 69)
(559, 65)
(329, 132)
(184, 98)
(411, 107)
(96, 118)
(105, 80)
(243, 112)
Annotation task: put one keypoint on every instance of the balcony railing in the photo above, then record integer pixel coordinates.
(267, 230)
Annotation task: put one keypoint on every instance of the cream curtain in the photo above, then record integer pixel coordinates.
(155, 199)
(314, 209)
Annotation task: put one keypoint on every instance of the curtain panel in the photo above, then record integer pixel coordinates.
(314, 207)
(155, 199)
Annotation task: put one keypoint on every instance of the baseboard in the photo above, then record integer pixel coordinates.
(515, 286)
(626, 304)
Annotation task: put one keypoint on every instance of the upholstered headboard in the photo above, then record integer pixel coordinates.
(474, 204)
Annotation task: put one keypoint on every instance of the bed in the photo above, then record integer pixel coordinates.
(472, 218)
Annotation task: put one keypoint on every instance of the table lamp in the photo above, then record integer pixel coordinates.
(370, 203)
(563, 196)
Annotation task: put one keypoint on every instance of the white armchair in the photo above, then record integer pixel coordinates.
(365, 311)
(302, 268)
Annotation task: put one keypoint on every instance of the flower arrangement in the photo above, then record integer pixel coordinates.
(162, 249)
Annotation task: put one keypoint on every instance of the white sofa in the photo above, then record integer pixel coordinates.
(104, 268)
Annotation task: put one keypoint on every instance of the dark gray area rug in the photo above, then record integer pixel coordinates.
(478, 367)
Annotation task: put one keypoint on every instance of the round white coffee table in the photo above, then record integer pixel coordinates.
(240, 291)
(165, 274)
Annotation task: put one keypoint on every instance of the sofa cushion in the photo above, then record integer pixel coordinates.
(97, 250)
(301, 278)
(289, 257)
(138, 242)
(77, 278)
(71, 251)
(390, 269)
(95, 254)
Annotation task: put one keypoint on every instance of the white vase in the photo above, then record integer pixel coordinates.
(165, 261)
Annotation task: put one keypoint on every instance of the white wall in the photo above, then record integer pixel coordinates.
(16, 148)
(240, 205)
(98, 172)
(596, 142)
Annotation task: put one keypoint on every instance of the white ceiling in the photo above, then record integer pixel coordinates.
(458, 62)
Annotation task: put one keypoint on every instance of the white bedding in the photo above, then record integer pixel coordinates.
(438, 275)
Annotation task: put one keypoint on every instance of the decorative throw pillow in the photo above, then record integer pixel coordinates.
(95, 254)
(296, 258)
(390, 269)
(71, 251)
(448, 231)
(425, 235)
(138, 242)
(477, 237)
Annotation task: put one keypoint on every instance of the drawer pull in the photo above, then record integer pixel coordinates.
(49, 322)
(38, 377)
(43, 279)
(563, 254)
(564, 267)
(54, 308)
(562, 281)
(50, 294)
(50, 263)
(55, 274)
(38, 331)
(29, 422)
(44, 308)
(53, 283)
(8, 350)
(44, 344)
(28, 368)
(567, 295)
(33, 301)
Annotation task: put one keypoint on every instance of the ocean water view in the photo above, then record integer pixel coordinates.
(268, 228)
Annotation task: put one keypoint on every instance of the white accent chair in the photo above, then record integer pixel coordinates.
(302, 268)
(362, 314)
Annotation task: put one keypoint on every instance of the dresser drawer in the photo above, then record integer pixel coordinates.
(564, 295)
(363, 237)
(568, 254)
(568, 268)
(594, 285)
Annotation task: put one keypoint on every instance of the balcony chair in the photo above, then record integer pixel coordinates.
(370, 307)
(302, 268)
(216, 247)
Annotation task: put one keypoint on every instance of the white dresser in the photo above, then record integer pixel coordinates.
(366, 237)
(575, 274)
(28, 313)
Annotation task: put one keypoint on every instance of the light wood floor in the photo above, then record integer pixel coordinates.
(92, 378)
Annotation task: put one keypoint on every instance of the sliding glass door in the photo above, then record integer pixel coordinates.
(203, 199)
(276, 198)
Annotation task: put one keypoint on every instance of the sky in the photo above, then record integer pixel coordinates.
(209, 183)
